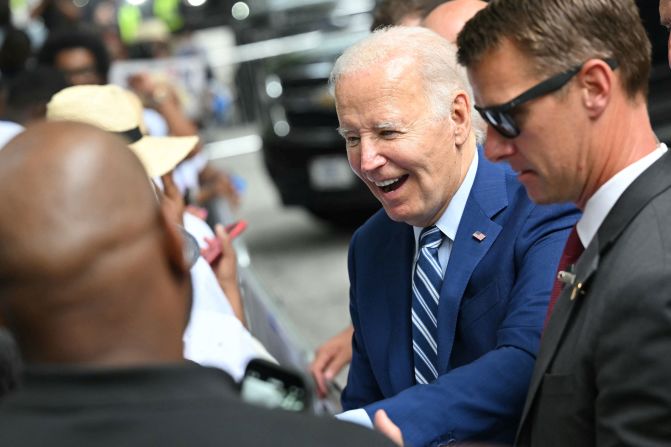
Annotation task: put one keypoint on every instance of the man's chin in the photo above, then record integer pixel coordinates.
(545, 197)
(395, 214)
(403, 217)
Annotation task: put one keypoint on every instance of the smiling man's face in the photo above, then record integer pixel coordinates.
(396, 143)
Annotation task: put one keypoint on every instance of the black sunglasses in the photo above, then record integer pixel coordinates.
(499, 116)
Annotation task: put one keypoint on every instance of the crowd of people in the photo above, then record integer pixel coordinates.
(513, 289)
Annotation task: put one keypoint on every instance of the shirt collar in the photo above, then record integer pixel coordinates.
(599, 205)
(448, 223)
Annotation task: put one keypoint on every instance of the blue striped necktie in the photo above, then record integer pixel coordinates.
(426, 283)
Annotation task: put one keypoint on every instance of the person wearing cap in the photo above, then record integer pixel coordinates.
(98, 302)
(216, 335)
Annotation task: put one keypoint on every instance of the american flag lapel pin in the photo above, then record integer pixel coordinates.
(479, 236)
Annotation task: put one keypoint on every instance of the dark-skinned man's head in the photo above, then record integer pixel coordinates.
(91, 273)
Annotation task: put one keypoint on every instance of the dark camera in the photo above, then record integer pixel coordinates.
(273, 386)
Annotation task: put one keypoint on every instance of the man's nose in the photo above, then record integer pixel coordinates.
(497, 147)
(371, 156)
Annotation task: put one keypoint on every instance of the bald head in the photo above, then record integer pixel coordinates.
(450, 17)
(62, 182)
(84, 244)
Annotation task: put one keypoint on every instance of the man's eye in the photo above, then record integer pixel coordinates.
(352, 141)
(388, 133)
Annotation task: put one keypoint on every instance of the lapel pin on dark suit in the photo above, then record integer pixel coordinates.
(479, 236)
(577, 290)
(565, 277)
(568, 278)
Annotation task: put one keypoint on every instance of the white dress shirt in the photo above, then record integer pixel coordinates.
(448, 223)
(599, 205)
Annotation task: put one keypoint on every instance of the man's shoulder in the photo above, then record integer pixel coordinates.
(199, 406)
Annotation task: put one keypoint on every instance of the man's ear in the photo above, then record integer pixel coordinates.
(596, 80)
(173, 244)
(461, 118)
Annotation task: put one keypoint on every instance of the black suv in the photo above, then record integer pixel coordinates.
(303, 152)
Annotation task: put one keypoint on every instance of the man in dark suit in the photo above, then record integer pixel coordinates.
(95, 288)
(578, 130)
(448, 359)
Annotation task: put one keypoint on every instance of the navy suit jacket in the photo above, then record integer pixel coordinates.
(492, 307)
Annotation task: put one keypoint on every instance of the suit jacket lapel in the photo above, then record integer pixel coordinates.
(564, 309)
(648, 185)
(395, 332)
(487, 198)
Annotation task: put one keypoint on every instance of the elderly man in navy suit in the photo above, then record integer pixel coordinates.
(449, 284)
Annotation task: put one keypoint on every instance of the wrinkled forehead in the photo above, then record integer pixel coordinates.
(389, 68)
(383, 91)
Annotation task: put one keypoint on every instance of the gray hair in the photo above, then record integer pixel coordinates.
(436, 59)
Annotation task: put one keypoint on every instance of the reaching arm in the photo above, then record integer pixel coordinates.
(483, 399)
(330, 358)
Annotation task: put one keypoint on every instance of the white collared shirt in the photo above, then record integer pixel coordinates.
(448, 223)
(599, 205)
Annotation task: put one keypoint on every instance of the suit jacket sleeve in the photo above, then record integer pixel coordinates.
(486, 397)
(361, 387)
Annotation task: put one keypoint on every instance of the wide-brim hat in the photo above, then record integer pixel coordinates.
(119, 111)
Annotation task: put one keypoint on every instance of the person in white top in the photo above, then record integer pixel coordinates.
(216, 335)
(563, 86)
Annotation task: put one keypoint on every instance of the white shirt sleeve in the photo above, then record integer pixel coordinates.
(357, 416)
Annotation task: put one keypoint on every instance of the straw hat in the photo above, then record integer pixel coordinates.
(119, 111)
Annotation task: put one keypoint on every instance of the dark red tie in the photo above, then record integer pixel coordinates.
(572, 251)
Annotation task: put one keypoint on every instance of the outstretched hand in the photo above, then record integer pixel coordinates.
(330, 358)
(385, 426)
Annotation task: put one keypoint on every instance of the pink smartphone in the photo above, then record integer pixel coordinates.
(235, 229)
(213, 252)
